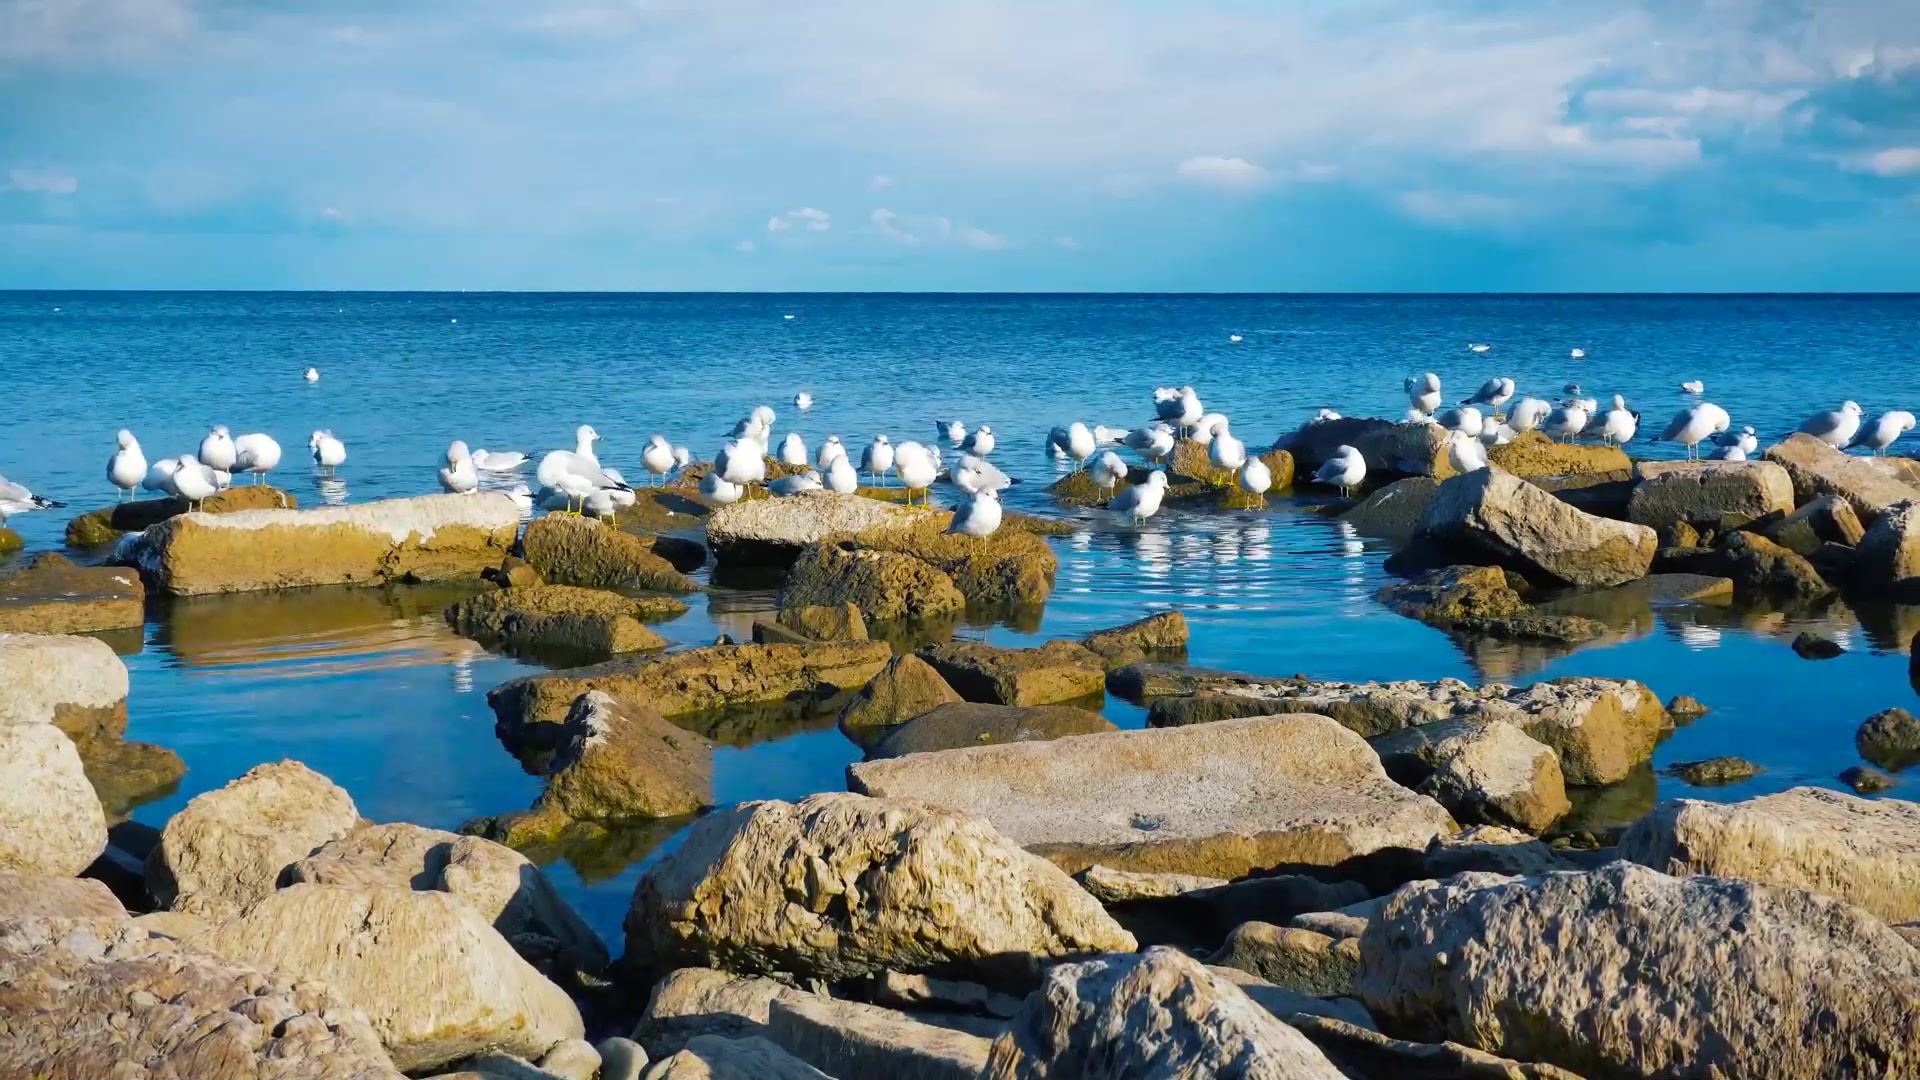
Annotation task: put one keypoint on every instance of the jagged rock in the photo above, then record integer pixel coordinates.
(846, 1038)
(1864, 851)
(710, 1057)
(841, 886)
(1393, 512)
(1369, 1055)
(1890, 550)
(888, 585)
(774, 532)
(1493, 515)
(1391, 450)
(1218, 800)
(1298, 960)
(1757, 564)
(1703, 493)
(584, 552)
(1489, 773)
(501, 884)
(1055, 672)
(51, 595)
(1889, 739)
(1867, 780)
(1532, 454)
(1154, 1014)
(949, 727)
(1013, 567)
(1685, 707)
(825, 622)
(31, 895)
(437, 981)
(905, 688)
(105, 526)
(1139, 682)
(564, 618)
(1347, 922)
(228, 847)
(696, 1001)
(902, 991)
(1694, 977)
(426, 538)
(75, 683)
(95, 998)
(1165, 632)
(1491, 849)
(1818, 469)
(51, 821)
(1828, 519)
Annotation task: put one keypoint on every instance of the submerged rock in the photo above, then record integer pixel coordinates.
(1715, 771)
(104, 527)
(589, 554)
(51, 821)
(1495, 515)
(1155, 635)
(1818, 469)
(888, 585)
(1889, 739)
(1055, 672)
(905, 688)
(1139, 683)
(1479, 600)
(948, 727)
(1532, 454)
(228, 847)
(563, 618)
(1809, 646)
(1867, 780)
(53, 596)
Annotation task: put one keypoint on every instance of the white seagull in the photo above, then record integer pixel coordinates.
(329, 453)
(657, 458)
(1424, 391)
(1566, 421)
(1578, 354)
(1478, 347)
(459, 476)
(576, 472)
(830, 451)
(1142, 500)
(1465, 452)
(803, 401)
(1226, 451)
(1255, 478)
(1108, 471)
(1746, 440)
(1465, 418)
(16, 499)
(1618, 424)
(191, 480)
(788, 486)
(256, 453)
(978, 516)
(1528, 414)
(978, 474)
(160, 477)
(1344, 470)
(1153, 443)
(216, 450)
(918, 468)
(1694, 386)
(128, 466)
(1079, 444)
(741, 461)
(1493, 393)
(1690, 426)
(311, 375)
(877, 459)
(498, 461)
(841, 478)
(1205, 428)
(793, 449)
(1835, 428)
(1885, 430)
(951, 430)
(980, 442)
(719, 490)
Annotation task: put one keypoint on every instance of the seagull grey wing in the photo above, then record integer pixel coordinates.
(13, 492)
(1678, 425)
(1823, 425)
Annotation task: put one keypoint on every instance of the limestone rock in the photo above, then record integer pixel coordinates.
(1299, 960)
(905, 688)
(1867, 780)
(1492, 849)
(620, 761)
(1818, 469)
(696, 1001)
(1759, 565)
(1110, 886)
(773, 532)
(1703, 493)
(592, 623)
(1153, 1014)
(1532, 454)
(573, 1059)
(1493, 514)
(507, 890)
(1219, 800)
(840, 886)
(1391, 450)
(1889, 739)
(587, 553)
(1372, 1056)
(1864, 851)
(426, 538)
(1890, 550)
(31, 895)
(1828, 519)
(90, 998)
(846, 1038)
(1394, 511)
(710, 1057)
(949, 727)
(620, 1059)
(104, 527)
(1480, 600)
(1489, 773)
(1165, 632)
(1055, 672)
(826, 622)
(437, 981)
(50, 819)
(228, 847)
(53, 596)
(888, 585)
(1140, 682)
(1693, 977)
(923, 992)
(74, 683)
(1013, 567)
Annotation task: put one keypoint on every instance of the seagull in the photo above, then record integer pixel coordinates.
(1528, 413)
(1578, 354)
(257, 454)
(1836, 428)
(917, 466)
(1885, 430)
(1178, 406)
(1745, 440)
(1424, 391)
(1344, 470)
(1478, 347)
(1566, 421)
(741, 461)
(609, 500)
(841, 478)
(1465, 453)
(1108, 436)
(1108, 471)
(793, 450)
(1153, 443)
(719, 490)
(787, 316)
(681, 458)
(977, 516)
(657, 458)
(1226, 451)
(216, 450)
(1689, 426)
(1415, 416)
(1494, 434)
(498, 461)
(1255, 479)
(1495, 392)
(830, 451)
(459, 476)
(978, 474)
(1235, 338)
(763, 416)
(1694, 386)
(951, 430)
(1142, 500)
(877, 459)
(1079, 444)
(1728, 452)
(1205, 428)
(980, 442)
(160, 477)
(191, 480)
(788, 486)
(1618, 424)
(576, 472)
(16, 499)
(329, 453)
(1466, 418)
(311, 375)
(128, 466)
(1325, 415)
(803, 401)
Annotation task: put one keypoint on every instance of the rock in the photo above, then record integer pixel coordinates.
(1110, 886)
(51, 595)
(1489, 773)
(774, 532)
(826, 622)
(1715, 771)
(1603, 494)
(1679, 534)
(591, 623)
(888, 585)
(1685, 707)
(1867, 780)
(1014, 567)
(514, 573)
(172, 924)
(228, 847)
(499, 1065)
(1491, 849)
(1165, 632)
(105, 526)
(905, 688)
(620, 1059)
(901, 991)
(1600, 728)
(673, 684)
(74, 683)
(1864, 851)
(587, 553)
(1695, 976)
(39, 896)
(1479, 600)
(1298, 960)
(839, 886)
(1285, 1005)
(438, 982)
(1160, 909)
(1828, 519)
(427, 538)
(1391, 450)
(767, 630)
(1393, 512)
(1810, 646)
(1154, 1014)
(1703, 493)
(697, 1001)
(501, 884)
(1139, 682)
(1190, 459)
(1532, 454)
(1889, 739)
(1818, 469)
(1370, 1055)
(949, 727)
(711, 1057)
(1495, 515)
(1759, 565)
(846, 1038)
(1890, 550)
(575, 1059)
(1219, 800)
(1054, 672)
(10, 541)
(51, 821)
(87, 998)
(1350, 921)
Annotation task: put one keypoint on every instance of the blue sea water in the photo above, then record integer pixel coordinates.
(371, 688)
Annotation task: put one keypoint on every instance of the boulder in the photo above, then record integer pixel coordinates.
(53, 596)
(1818, 469)
(774, 532)
(1014, 567)
(677, 683)
(1867, 780)
(514, 573)
(1198, 912)
(1889, 739)
(697, 1001)
(591, 623)
(228, 847)
(949, 727)
(437, 981)
(10, 541)
(710, 1057)
(1758, 565)
(1492, 514)
(1828, 519)
(51, 821)
(1393, 512)
(1220, 800)
(906, 687)
(1391, 450)
(510, 892)
(1110, 886)
(887, 585)
(1157, 1013)
(1299, 960)
(1624, 971)
(1864, 851)
(846, 1038)
(1704, 493)
(1492, 849)
(96, 998)
(1191, 460)
(825, 622)
(104, 527)
(75, 683)
(839, 886)
(620, 1059)
(1369, 1055)
(32, 895)
(1054, 672)
(926, 993)
(1140, 682)
(1155, 635)
(1480, 600)
(584, 552)
(1890, 550)
(1713, 772)
(1532, 454)
(426, 538)
(1604, 494)
(1486, 773)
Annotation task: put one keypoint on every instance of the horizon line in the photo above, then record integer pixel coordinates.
(1084, 293)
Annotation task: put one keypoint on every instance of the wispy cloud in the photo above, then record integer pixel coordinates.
(1230, 173)
(880, 183)
(42, 181)
(804, 218)
(1460, 209)
(933, 230)
(1067, 242)
(1895, 161)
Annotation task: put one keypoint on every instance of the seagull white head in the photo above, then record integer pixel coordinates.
(126, 440)
(586, 434)
(1851, 407)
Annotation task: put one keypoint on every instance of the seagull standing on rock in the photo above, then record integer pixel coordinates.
(789, 486)
(1424, 391)
(193, 481)
(217, 450)
(978, 516)
(1108, 471)
(1153, 443)
(1226, 452)
(719, 490)
(258, 454)
(1465, 453)
(1746, 440)
(917, 466)
(1528, 413)
(1255, 478)
(1836, 428)
(1566, 421)
(830, 451)
(1692, 425)
(160, 478)
(1344, 470)
(1493, 393)
(1885, 430)
(742, 461)
(459, 476)
(657, 458)
(128, 466)
(1618, 424)
(877, 459)
(841, 478)
(1465, 418)
(793, 449)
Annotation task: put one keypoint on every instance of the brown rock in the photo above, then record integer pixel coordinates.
(590, 623)
(76, 684)
(847, 1038)
(1818, 469)
(51, 821)
(10, 541)
(906, 687)
(1889, 739)
(44, 896)
(1299, 960)
(948, 727)
(1685, 707)
(51, 595)
(620, 760)
(105, 526)
(826, 622)
(514, 573)
(1890, 550)
(580, 551)
(1391, 450)
(1055, 672)
(710, 1057)
(1867, 780)
(1165, 632)
(1482, 772)
(1702, 493)
(1014, 567)
(228, 847)
(1190, 459)
(1811, 646)
(774, 532)
(1369, 1054)
(1394, 511)
(694, 1001)
(1496, 515)
(887, 585)
(1828, 519)
(1713, 772)
(1757, 564)
(1140, 682)
(1532, 454)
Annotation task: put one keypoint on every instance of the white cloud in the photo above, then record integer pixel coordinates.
(777, 224)
(1460, 209)
(335, 215)
(980, 239)
(1067, 242)
(804, 218)
(745, 245)
(880, 183)
(933, 230)
(1895, 161)
(1231, 173)
(883, 221)
(42, 181)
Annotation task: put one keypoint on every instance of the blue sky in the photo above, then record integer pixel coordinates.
(979, 144)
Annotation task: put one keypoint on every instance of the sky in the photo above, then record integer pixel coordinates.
(1029, 145)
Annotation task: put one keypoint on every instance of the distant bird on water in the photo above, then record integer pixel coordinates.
(1694, 386)
(803, 401)
(311, 375)
(459, 476)
(1479, 347)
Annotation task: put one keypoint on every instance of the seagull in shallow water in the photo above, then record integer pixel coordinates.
(1478, 347)
(1836, 427)
(803, 401)
(1694, 386)
(1255, 478)
(1142, 500)
(1885, 430)
(459, 476)
(329, 453)
(311, 375)
(978, 442)
(498, 461)
(951, 430)
(1578, 354)
(128, 466)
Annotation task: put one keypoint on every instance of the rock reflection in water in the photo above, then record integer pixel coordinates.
(1602, 809)
(300, 633)
(600, 853)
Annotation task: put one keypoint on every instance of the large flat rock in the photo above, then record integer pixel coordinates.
(590, 624)
(1818, 469)
(592, 554)
(773, 532)
(228, 847)
(1533, 455)
(53, 596)
(426, 538)
(1491, 514)
(1219, 800)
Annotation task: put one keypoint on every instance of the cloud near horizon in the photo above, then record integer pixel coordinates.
(1384, 144)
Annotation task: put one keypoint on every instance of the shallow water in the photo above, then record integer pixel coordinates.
(371, 688)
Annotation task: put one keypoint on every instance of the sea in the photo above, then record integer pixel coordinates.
(371, 687)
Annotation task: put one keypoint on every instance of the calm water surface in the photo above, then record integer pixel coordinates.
(370, 688)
